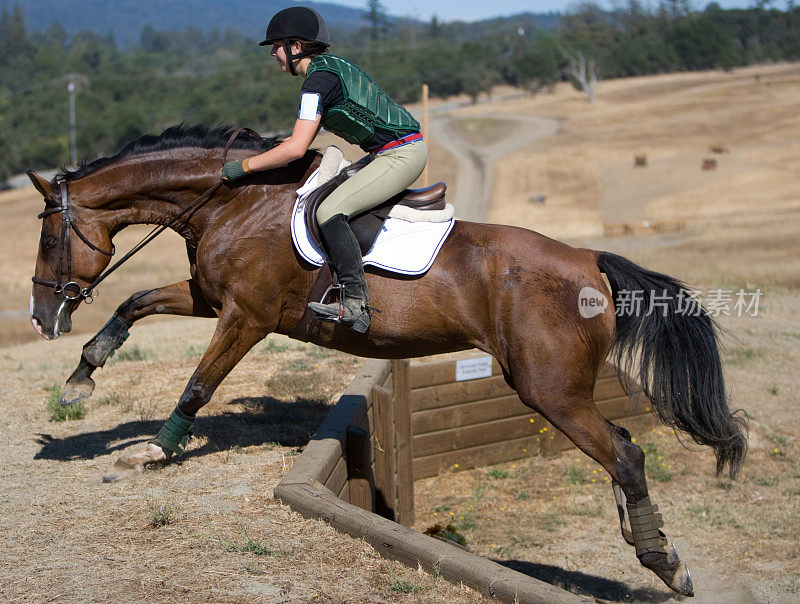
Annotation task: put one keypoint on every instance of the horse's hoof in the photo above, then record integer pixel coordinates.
(682, 582)
(670, 570)
(76, 391)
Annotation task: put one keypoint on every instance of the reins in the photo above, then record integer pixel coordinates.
(71, 290)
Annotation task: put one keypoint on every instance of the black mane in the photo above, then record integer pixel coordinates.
(176, 137)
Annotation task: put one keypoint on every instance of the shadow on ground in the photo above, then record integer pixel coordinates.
(264, 420)
(588, 585)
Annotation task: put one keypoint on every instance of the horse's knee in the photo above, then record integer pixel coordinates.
(132, 308)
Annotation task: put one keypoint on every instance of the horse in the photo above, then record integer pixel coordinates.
(508, 291)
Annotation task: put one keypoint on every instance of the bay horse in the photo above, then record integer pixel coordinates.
(508, 291)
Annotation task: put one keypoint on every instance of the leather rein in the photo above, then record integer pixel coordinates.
(71, 290)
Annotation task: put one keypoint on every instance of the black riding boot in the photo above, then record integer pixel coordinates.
(344, 256)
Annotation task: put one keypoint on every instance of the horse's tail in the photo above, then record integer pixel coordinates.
(668, 339)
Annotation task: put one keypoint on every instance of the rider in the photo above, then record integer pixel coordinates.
(339, 96)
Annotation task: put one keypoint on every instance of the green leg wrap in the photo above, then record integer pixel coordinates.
(175, 432)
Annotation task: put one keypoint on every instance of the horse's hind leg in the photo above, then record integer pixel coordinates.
(570, 408)
(182, 298)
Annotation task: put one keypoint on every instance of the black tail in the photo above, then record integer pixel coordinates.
(670, 341)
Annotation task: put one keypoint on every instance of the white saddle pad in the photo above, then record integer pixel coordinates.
(402, 246)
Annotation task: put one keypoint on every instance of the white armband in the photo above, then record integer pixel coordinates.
(309, 106)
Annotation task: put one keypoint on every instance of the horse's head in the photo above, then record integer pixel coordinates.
(72, 253)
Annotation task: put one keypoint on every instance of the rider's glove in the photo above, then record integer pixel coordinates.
(234, 170)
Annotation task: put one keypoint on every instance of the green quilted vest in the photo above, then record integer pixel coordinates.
(366, 106)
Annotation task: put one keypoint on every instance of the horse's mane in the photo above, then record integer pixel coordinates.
(176, 137)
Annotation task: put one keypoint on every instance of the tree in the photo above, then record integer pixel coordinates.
(13, 37)
(378, 21)
(585, 74)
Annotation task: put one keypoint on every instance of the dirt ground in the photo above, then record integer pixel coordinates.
(207, 530)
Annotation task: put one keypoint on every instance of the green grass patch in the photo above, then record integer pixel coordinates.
(249, 546)
(522, 496)
(575, 474)
(195, 350)
(404, 587)
(464, 522)
(133, 353)
(720, 518)
(739, 355)
(766, 481)
(654, 464)
(591, 509)
(318, 352)
(272, 346)
(161, 515)
(59, 413)
(550, 520)
(298, 365)
(498, 474)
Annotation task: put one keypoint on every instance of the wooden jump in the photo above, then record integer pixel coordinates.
(400, 420)
(360, 462)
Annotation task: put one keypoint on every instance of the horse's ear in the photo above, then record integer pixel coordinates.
(40, 183)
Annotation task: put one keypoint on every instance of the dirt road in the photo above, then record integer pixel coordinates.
(473, 188)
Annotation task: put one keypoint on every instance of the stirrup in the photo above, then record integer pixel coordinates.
(359, 318)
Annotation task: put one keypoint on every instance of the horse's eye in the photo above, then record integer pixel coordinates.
(49, 242)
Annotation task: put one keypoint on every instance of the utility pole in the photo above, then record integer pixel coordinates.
(73, 147)
(75, 82)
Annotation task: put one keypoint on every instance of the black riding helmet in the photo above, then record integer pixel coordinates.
(296, 23)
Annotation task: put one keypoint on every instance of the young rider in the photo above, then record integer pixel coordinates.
(339, 96)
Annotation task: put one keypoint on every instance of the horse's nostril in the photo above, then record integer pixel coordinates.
(37, 325)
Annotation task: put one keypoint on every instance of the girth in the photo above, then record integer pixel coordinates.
(366, 226)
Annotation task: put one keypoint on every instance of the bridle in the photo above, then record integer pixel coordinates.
(71, 290)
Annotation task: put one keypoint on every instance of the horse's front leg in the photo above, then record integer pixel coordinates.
(233, 338)
(182, 298)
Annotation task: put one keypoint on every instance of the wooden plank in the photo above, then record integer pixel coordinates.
(344, 494)
(404, 451)
(383, 449)
(443, 372)
(416, 550)
(359, 462)
(432, 397)
(338, 477)
(472, 436)
(474, 457)
(467, 414)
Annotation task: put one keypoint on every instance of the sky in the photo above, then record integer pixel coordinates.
(471, 10)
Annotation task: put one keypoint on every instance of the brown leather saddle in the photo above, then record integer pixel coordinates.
(366, 226)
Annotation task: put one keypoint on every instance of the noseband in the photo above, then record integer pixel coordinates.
(71, 290)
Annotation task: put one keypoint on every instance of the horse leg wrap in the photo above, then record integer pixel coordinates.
(100, 348)
(175, 432)
(622, 510)
(654, 549)
(645, 525)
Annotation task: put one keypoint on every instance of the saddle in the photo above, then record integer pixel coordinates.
(366, 226)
